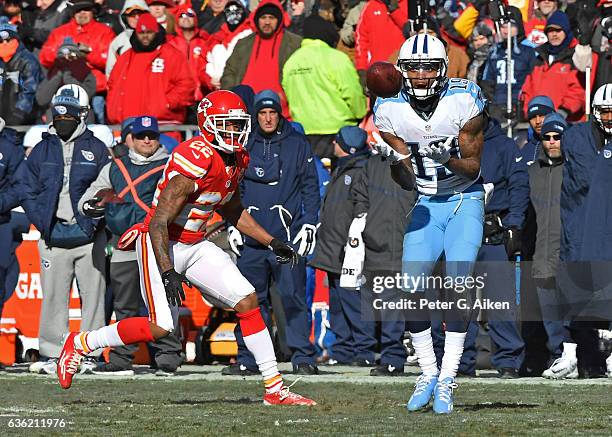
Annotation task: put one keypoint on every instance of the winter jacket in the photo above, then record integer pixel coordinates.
(561, 81)
(495, 71)
(41, 179)
(337, 214)
(158, 83)
(121, 43)
(96, 35)
(238, 62)
(379, 33)
(388, 207)
(545, 177)
(36, 32)
(11, 157)
(19, 78)
(585, 194)
(280, 187)
(502, 164)
(322, 88)
(208, 22)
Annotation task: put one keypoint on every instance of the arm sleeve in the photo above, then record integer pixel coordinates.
(30, 78)
(9, 198)
(111, 58)
(362, 41)
(359, 192)
(28, 187)
(97, 57)
(181, 92)
(102, 182)
(309, 185)
(350, 88)
(518, 186)
(46, 89)
(381, 120)
(49, 50)
(573, 98)
(230, 72)
(465, 23)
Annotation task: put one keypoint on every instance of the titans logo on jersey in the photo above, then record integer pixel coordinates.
(460, 101)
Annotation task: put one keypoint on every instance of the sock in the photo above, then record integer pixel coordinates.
(258, 342)
(569, 349)
(453, 349)
(423, 348)
(126, 331)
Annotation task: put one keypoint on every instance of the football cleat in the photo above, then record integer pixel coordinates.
(286, 397)
(69, 361)
(423, 391)
(443, 396)
(88, 366)
(563, 367)
(48, 367)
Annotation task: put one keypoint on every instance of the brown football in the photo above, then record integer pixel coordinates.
(383, 79)
(107, 195)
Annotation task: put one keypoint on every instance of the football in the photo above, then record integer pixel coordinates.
(107, 195)
(384, 79)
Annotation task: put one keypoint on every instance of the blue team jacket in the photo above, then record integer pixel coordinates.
(503, 165)
(281, 188)
(11, 157)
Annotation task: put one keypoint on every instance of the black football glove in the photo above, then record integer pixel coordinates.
(173, 283)
(284, 253)
(91, 208)
(513, 242)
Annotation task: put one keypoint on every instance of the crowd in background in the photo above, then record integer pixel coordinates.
(300, 68)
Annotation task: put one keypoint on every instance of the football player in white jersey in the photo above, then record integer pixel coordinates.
(432, 131)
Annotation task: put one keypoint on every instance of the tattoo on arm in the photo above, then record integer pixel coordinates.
(234, 212)
(471, 139)
(402, 172)
(170, 203)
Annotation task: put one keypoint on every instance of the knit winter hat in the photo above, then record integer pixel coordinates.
(560, 20)
(352, 139)
(7, 30)
(540, 105)
(315, 27)
(267, 99)
(554, 123)
(68, 47)
(146, 22)
(269, 8)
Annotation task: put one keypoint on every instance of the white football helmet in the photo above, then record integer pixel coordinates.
(603, 100)
(423, 53)
(74, 95)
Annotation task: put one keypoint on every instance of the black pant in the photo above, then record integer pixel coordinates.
(127, 302)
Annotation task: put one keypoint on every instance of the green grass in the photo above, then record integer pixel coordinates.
(233, 407)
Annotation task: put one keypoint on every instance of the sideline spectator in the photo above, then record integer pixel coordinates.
(554, 73)
(502, 166)
(322, 86)
(55, 175)
(478, 50)
(494, 78)
(585, 237)
(48, 16)
(258, 59)
(92, 38)
(152, 77)
(210, 14)
(160, 9)
(545, 176)
(12, 224)
(69, 68)
(379, 32)
(221, 44)
(281, 191)
(132, 9)
(136, 175)
(20, 74)
(355, 342)
(191, 42)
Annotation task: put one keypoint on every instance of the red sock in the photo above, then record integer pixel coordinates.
(251, 322)
(134, 330)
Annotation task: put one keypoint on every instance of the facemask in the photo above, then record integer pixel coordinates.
(233, 16)
(65, 128)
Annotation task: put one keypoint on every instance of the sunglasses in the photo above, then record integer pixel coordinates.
(143, 135)
(552, 137)
(187, 15)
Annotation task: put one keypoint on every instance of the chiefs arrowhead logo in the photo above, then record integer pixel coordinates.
(204, 105)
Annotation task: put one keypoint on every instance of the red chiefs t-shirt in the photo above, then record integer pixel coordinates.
(214, 184)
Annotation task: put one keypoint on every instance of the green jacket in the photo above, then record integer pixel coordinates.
(237, 64)
(322, 88)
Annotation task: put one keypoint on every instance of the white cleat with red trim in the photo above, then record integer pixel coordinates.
(69, 361)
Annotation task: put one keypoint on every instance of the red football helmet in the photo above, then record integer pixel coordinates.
(224, 121)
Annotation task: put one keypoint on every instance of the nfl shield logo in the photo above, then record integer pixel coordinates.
(146, 121)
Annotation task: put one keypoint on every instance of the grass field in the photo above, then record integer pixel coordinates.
(205, 404)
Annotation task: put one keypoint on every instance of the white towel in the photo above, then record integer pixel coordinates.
(354, 256)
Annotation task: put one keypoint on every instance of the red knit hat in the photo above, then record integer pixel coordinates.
(146, 22)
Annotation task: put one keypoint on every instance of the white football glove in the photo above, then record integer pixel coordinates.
(386, 150)
(438, 152)
(234, 238)
(306, 239)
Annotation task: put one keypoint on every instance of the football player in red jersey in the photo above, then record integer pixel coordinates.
(201, 177)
